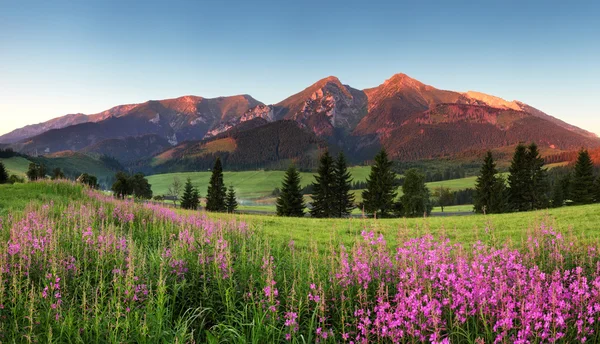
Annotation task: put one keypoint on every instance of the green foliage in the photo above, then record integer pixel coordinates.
(231, 201)
(343, 202)
(415, 195)
(136, 185)
(88, 180)
(378, 198)
(560, 191)
(57, 173)
(519, 180)
(215, 195)
(445, 197)
(36, 171)
(122, 186)
(3, 174)
(582, 183)
(290, 202)
(140, 187)
(323, 188)
(490, 191)
(13, 179)
(539, 186)
(191, 197)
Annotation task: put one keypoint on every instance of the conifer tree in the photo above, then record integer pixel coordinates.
(560, 191)
(215, 195)
(323, 188)
(489, 190)
(582, 183)
(519, 194)
(539, 185)
(195, 199)
(230, 201)
(290, 202)
(378, 198)
(3, 174)
(344, 199)
(189, 200)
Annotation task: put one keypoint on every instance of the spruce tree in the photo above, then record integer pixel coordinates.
(560, 191)
(215, 195)
(489, 190)
(189, 193)
(290, 202)
(323, 188)
(195, 199)
(378, 198)
(519, 194)
(230, 201)
(582, 183)
(344, 199)
(539, 185)
(3, 174)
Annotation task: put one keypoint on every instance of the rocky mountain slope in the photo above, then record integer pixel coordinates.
(410, 119)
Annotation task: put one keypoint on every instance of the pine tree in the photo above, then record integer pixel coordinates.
(3, 174)
(560, 191)
(195, 199)
(582, 184)
(378, 198)
(539, 185)
(597, 190)
(230, 201)
(344, 199)
(290, 202)
(519, 194)
(415, 195)
(489, 190)
(215, 195)
(323, 197)
(189, 199)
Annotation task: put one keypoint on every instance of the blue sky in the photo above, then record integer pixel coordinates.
(59, 57)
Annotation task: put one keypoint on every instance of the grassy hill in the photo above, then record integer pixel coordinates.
(16, 165)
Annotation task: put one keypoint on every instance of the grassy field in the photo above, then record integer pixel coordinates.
(79, 266)
(248, 184)
(16, 165)
(582, 221)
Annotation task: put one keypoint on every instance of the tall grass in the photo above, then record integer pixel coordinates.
(99, 270)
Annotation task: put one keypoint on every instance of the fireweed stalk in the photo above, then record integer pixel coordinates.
(98, 269)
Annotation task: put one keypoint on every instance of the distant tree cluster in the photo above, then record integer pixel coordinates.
(36, 171)
(331, 195)
(218, 197)
(131, 185)
(89, 180)
(529, 187)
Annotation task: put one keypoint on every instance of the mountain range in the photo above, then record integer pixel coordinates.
(410, 119)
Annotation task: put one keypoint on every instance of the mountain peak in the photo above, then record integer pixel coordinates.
(330, 79)
(402, 79)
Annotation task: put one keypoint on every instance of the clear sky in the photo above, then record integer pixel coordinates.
(59, 57)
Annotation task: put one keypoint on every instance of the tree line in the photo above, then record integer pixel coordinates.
(332, 196)
(529, 187)
(218, 197)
